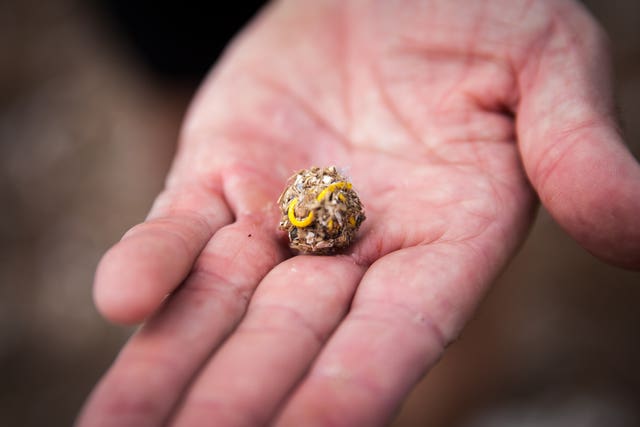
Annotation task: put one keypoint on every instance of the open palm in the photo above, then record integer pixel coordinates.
(445, 114)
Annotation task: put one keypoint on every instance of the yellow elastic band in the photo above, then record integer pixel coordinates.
(301, 223)
(332, 187)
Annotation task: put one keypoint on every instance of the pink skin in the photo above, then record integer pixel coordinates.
(449, 115)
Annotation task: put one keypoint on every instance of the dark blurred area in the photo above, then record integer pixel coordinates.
(91, 99)
(179, 40)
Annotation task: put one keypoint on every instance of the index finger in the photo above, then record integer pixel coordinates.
(409, 305)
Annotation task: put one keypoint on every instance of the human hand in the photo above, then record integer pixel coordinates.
(447, 114)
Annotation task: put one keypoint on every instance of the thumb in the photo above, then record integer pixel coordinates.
(571, 147)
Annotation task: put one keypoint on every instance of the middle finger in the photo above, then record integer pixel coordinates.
(291, 315)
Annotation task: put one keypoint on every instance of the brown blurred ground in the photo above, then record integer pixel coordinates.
(86, 135)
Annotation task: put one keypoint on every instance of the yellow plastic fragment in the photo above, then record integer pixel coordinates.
(332, 187)
(330, 224)
(352, 221)
(301, 223)
(342, 198)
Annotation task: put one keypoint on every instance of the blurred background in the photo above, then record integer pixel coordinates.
(91, 98)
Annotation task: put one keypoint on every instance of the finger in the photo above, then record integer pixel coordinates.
(136, 274)
(155, 367)
(291, 315)
(571, 148)
(408, 306)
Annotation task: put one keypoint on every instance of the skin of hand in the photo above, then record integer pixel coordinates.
(453, 117)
